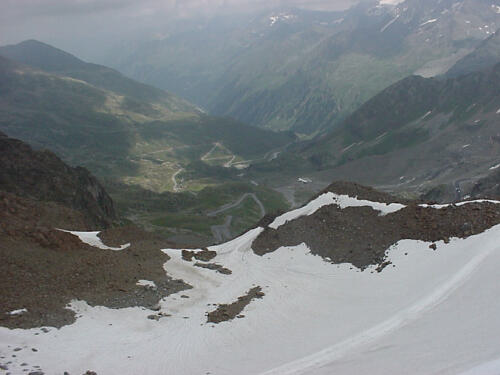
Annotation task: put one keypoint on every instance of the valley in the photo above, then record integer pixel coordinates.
(250, 188)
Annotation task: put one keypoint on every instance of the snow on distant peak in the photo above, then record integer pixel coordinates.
(429, 21)
(281, 17)
(390, 2)
(389, 24)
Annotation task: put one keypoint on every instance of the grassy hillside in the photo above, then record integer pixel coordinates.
(151, 149)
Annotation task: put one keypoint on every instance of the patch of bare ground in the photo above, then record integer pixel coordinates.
(215, 267)
(43, 269)
(203, 255)
(226, 312)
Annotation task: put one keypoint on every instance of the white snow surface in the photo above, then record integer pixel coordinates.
(495, 167)
(92, 239)
(429, 21)
(389, 23)
(329, 198)
(146, 284)
(18, 312)
(498, 112)
(390, 2)
(433, 312)
(439, 206)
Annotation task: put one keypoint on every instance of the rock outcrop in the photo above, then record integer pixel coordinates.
(42, 176)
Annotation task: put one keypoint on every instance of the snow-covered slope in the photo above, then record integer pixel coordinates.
(430, 311)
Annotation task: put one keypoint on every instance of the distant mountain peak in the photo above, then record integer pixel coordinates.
(41, 55)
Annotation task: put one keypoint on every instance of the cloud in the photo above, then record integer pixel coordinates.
(77, 8)
(86, 26)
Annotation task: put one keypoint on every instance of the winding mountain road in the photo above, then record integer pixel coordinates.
(237, 203)
(222, 232)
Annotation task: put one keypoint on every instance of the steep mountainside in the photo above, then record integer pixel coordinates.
(417, 133)
(42, 176)
(485, 55)
(303, 70)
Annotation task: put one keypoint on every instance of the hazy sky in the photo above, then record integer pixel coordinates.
(82, 26)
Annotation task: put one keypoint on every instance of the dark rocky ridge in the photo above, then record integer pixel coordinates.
(42, 176)
(359, 235)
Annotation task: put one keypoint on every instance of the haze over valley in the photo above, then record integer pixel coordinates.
(280, 187)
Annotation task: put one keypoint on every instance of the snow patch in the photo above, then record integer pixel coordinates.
(465, 146)
(281, 17)
(18, 312)
(440, 206)
(496, 8)
(498, 112)
(92, 239)
(495, 167)
(389, 24)
(146, 284)
(429, 21)
(344, 201)
(390, 2)
(427, 114)
(326, 199)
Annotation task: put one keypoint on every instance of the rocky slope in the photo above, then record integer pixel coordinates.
(42, 176)
(44, 268)
(485, 55)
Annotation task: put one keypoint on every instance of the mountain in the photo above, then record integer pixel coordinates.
(155, 159)
(46, 58)
(415, 134)
(44, 206)
(354, 282)
(42, 176)
(306, 70)
(485, 55)
(85, 114)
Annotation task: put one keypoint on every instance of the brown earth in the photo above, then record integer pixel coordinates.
(43, 269)
(226, 312)
(203, 255)
(214, 267)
